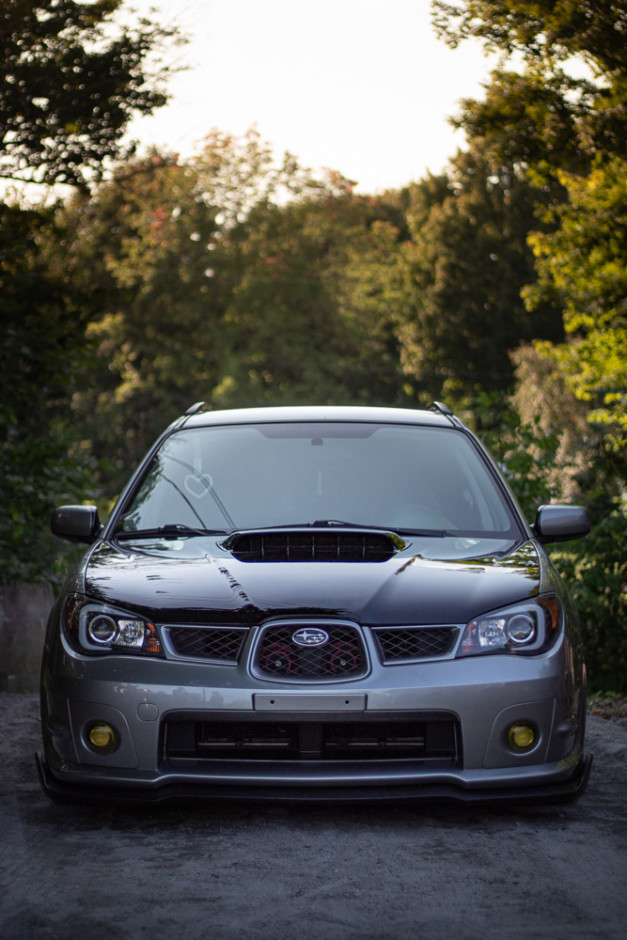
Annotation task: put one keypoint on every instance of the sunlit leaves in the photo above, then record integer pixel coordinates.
(548, 30)
(583, 265)
(71, 81)
(560, 92)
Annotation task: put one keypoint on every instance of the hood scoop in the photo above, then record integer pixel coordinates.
(313, 545)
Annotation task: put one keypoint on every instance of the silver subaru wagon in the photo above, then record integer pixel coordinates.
(314, 604)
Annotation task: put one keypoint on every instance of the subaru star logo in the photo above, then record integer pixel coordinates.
(310, 636)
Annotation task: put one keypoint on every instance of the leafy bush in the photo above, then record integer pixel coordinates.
(524, 453)
(594, 568)
(36, 475)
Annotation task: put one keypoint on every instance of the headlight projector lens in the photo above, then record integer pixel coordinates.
(521, 629)
(102, 629)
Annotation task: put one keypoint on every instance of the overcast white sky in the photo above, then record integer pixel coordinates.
(360, 86)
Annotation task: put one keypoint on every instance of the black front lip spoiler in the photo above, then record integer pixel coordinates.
(68, 793)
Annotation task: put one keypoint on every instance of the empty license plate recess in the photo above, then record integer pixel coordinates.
(293, 702)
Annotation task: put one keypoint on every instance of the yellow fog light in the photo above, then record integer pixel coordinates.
(102, 738)
(521, 737)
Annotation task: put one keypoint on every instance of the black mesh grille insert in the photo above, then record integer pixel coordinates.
(264, 740)
(404, 643)
(218, 643)
(278, 655)
(312, 546)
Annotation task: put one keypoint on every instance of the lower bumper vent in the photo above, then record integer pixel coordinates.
(294, 740)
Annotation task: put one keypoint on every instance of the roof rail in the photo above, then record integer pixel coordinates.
(442, 408)
(195, 408)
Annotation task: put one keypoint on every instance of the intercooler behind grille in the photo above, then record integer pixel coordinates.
(294, 740)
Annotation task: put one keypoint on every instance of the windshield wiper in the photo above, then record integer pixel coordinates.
(174, 530)
(426, 533)
(339, 523)
(342, 524)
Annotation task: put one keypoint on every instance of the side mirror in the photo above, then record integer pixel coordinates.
(76, 523)
(557, 523)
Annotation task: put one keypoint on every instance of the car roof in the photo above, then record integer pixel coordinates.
(321, 413)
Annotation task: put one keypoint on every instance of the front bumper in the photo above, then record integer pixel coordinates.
(441, 788)
(479, 698)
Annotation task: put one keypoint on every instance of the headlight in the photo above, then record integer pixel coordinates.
(93, 627)
(530, 627)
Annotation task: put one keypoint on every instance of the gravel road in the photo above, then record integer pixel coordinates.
(369, 873)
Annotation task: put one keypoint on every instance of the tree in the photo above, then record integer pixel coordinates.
(570, 130)
(568, 134)
(464, 268)
(582, 265)
(41, 363)
(235, 278)
(145, 244)
(549, 115)
(307, 316)
(71, 81)
(544, 30)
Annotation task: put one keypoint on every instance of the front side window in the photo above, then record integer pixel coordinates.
(398, 477)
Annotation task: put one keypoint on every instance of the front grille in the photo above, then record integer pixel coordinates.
(223, 644)
(279, 656)
(397, 644)
(302, 546)
(366, 738)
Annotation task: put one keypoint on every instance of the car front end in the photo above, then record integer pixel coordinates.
(426, 649)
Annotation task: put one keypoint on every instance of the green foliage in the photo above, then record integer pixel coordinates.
(545, 115)
(71, 81)
(583, 265)
(234, 278)
(42, 358)
(463, 270)
(567, 133)
(531, 121)
(306, 321)
(37, 474)
(595, 569)
(542, 30)
(524, 452)
(143, 245)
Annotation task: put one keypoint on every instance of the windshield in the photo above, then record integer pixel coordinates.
(396, 477)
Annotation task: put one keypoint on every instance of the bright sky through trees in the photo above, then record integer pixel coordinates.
(360, 86)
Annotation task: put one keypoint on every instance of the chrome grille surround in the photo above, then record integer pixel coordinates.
(220, 644)
(277, 656)
(415, 643)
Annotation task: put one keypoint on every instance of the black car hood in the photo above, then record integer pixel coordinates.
(167, 584)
